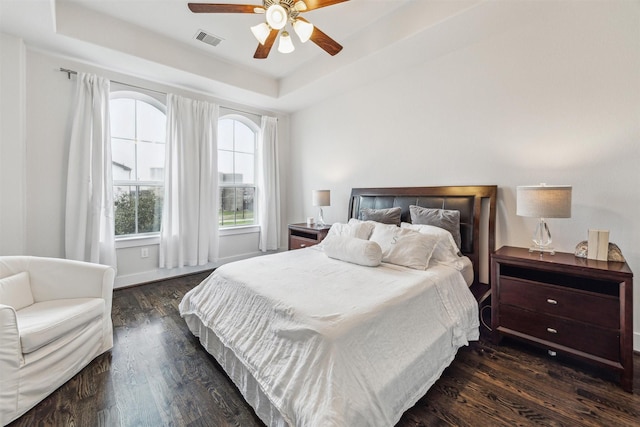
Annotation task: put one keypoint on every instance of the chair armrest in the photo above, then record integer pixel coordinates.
(9, 337)
(57, 278)
(10, 362)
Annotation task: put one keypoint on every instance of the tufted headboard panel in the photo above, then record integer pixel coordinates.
(466, 199)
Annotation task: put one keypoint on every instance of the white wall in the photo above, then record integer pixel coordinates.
(555, 101)
(40, 156)
(12, 145)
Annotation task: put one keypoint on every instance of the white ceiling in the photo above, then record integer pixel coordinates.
(172, 18)
(155, 40)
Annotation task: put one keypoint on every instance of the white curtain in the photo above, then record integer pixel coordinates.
(189, 232)
(268, 185)
(89, 220)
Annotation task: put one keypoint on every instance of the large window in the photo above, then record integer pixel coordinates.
(138, 127)
(237, 139)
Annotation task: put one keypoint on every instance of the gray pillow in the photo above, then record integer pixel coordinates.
(385, 216)
(443, 218)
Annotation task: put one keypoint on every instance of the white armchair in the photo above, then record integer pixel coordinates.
(55, 318)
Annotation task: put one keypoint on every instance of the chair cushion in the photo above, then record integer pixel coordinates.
(15, 291)
(44, 322)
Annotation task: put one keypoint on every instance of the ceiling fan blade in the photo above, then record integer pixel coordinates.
(263, 49)
(325, 42)
(330, 46)
(222, 8)
(317, 4)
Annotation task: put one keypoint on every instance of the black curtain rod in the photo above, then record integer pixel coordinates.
(70, 72)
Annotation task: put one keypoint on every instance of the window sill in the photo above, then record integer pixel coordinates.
(243, 229)
(134, 241)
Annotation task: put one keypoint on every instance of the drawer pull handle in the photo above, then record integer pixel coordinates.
(551, 330)
(552, 301)
(552, 353)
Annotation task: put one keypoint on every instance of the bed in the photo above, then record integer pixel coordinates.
(312, 340)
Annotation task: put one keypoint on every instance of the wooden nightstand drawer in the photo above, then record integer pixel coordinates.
(597, 309)
(589, 339)
(302, 236)
(301, 242)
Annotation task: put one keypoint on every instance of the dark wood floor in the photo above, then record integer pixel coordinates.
(158, 375)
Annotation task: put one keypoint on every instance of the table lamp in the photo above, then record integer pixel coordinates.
(321, 198)
(543, 201)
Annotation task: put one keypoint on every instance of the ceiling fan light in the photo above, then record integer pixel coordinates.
(300, 6)
(303, 29)
(286, 44)
(277, 16)
(261, 32)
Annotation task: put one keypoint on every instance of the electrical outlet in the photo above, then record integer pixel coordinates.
(144, 252)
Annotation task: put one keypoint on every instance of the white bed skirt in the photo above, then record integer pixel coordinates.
(246, 383)
(240, 376)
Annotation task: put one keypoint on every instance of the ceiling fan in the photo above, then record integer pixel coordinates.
(278, 13)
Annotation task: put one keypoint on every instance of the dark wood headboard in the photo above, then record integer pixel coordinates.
(466, 199)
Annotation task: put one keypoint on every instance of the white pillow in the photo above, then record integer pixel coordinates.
(363, 229)
(15, 291)
(383, 234)
(353, 250)
(446, 251)
(402, 246)
(355, 228)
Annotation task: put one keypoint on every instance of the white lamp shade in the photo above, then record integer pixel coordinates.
(321, 197)
(300, 6)
(544, 201)
(261, 32)
(285, 45)
(276, 16)
(303, 30)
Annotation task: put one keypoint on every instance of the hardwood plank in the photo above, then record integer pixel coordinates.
(518, 400)
(159, 374)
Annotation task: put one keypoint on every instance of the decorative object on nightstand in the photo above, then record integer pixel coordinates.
(321, 198)
(570, 306)
(303, 235)
(598, 244)
(614, 253)
(543, 201)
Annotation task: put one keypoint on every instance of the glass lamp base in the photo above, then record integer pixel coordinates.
(542, 250)
(542, 239)
(320, 222)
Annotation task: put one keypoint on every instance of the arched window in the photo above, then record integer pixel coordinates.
(138, 128)
(237, 141)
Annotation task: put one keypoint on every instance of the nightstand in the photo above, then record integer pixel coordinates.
(303, 236)
(572, 306)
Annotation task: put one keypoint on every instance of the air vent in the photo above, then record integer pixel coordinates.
(207, 38)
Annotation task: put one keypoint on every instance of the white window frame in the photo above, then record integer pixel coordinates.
(136, 239)
(251, 124)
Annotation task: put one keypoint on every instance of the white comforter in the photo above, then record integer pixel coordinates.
(332, 343)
